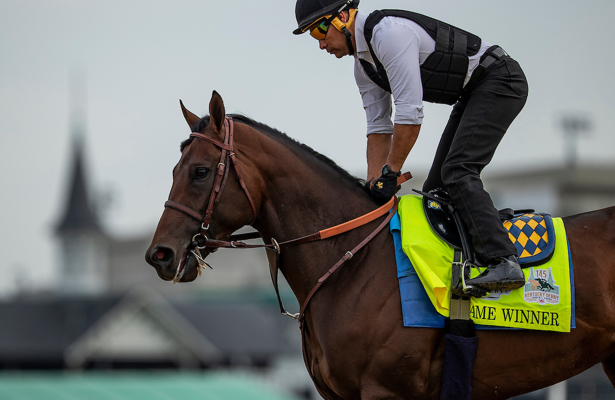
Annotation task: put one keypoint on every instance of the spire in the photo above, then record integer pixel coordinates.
(78, 211)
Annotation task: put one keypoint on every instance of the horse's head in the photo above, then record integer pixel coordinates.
(203, 203)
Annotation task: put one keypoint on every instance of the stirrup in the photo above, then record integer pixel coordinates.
(458, 281)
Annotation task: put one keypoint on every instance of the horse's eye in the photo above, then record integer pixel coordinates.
(201, 172)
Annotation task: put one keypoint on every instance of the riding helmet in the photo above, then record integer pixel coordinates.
(309, 11)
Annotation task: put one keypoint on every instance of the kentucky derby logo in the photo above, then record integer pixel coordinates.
(541, 288)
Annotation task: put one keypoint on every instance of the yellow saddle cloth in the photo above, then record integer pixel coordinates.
(544, 303)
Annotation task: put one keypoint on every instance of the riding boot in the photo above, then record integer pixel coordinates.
(502, 274)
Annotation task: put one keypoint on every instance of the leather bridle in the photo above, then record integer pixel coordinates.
(205, 239)
(222, 171)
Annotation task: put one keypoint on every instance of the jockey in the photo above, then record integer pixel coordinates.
(414, 58)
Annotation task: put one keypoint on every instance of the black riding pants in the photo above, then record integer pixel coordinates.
(476, 126)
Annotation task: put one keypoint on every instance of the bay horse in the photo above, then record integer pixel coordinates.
(355, 344)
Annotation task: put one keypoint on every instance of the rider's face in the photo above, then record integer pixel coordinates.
(335, 42)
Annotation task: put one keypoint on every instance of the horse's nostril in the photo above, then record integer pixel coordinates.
(162, 255)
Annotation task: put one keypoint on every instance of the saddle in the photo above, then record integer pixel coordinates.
(532, 234)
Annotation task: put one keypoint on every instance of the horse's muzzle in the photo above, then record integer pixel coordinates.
(162, 259)
(172, 265)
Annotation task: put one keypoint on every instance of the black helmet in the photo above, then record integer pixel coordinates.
(309, 11)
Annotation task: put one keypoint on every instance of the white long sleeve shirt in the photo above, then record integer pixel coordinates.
(401, 45)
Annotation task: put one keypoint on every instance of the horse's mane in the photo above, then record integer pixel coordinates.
(281, 137)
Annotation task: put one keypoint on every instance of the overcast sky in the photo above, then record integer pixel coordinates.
(138, 58)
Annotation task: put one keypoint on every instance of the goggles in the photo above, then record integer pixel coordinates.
(319, 29)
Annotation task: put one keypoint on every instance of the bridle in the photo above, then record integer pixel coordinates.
(205, 239)
(222, 171)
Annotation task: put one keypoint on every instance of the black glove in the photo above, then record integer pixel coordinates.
(385, 187)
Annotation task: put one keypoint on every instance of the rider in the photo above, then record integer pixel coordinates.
(414, 58)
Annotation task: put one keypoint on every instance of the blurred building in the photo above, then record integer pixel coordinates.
(141, 329)
(84, 247)
(560, 191)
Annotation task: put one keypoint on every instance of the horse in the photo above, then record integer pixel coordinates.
(354, 343)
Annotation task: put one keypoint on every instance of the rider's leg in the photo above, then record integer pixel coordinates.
(478, 123)
(434, 178)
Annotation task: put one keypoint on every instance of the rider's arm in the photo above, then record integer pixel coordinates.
(377, 103)
(396, 45)
(404, 138)
(378, 108)
(378, 147)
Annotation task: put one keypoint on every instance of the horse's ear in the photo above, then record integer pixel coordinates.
(191, 119)
(216, 111)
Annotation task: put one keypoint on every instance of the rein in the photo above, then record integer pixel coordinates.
(201, 240)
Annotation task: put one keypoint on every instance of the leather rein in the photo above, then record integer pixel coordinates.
(204, 239)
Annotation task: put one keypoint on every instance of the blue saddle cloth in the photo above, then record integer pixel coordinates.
(417, 309)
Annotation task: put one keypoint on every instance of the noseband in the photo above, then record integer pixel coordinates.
(222, 170)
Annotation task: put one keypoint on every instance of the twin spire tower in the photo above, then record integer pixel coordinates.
(83, 245)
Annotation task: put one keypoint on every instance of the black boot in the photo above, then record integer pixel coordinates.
(501, 274)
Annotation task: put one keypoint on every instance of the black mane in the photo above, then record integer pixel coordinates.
(281, 137)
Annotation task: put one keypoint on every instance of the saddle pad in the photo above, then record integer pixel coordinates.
(534, 237)
(546, 302)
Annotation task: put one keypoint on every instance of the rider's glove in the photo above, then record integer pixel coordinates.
(385, 187)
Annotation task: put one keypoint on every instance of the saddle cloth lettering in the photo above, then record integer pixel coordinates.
(546, 302)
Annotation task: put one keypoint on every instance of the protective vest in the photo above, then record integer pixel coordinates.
(444, 71)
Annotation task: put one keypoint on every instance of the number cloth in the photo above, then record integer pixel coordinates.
(543, 303)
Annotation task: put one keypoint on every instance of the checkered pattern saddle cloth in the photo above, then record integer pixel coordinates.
(533, 236)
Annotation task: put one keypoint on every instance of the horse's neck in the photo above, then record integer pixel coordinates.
(304, 196)
(299, 206)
